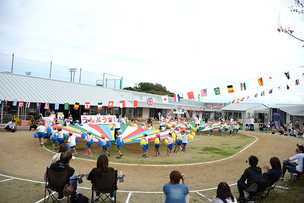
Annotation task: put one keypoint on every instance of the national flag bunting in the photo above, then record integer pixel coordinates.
(210, 106)
(110, 104)
(176, 98)
(190, 95)
(242, 99)
(214, 106)
(66, 106)
(38, 105)
(28, 104)
(204, 92)
(135, 103)
(270, 78)
(256, 95)
(279, 88)
(99, 105)
(260, 81)
(270, 91)
(243, 86)
(56, 106)
(287, 75)
(217, 91)
(297, 82)
(20, 104)
(87, 105)
(15, 102)
(238, 100)
(149, 101)
(230, 88)
(47, 105)
(165, 99)
(76, 106)
(122, 103)
(263, 93)
(288, 87)
(5, 101)
(233, 102)
(248, 97)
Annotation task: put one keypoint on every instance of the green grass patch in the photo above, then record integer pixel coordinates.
(202, 148)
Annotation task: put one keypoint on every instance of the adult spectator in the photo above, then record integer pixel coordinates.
(102, 167)
(252, 124)
(297, 126)
(276, 169)
(294, 167)
(252, 174)
(159, 115)
(62, 148)
(174, 191)
(48, 119)
(10, 126)
(33, 125)
(223, 194)
(231, 120)
(289, 127)
(63, 165)
(117, 124)
(206, 118)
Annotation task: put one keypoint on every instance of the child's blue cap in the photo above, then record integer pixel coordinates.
(99, 120)
(77, 121)
(143, 123)
(145, 134)
(188, 131)
(89, 132)
(119, 131)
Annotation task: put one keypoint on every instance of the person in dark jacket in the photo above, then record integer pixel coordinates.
(252, 174)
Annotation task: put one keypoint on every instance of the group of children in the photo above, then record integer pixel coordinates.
(233, 129)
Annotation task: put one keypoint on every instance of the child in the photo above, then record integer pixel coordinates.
(226, 129)
(211, 130)
(41, 128)
(145, 148)
(72, 142)
(77, 122)
(157, 144)
(185, 141)
(236, 128)
(119, 144)
(104, 145)
(179, 142)
(89, 143)
(170, 144)
(60, 136)
(149, 127)
(54, 136)
(231, 129)
(143, 126)
(220, 131)
(135, 124)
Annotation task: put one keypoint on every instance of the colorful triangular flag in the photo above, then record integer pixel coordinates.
(287, 75)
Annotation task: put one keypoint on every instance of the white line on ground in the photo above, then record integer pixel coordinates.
(203, 196)
(5, 180)
(286, 188)
(44, 198)
(128, 198)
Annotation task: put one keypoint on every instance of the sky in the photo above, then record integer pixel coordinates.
(182, 45)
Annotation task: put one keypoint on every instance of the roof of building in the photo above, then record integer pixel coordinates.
(292, 109)
(242, 106)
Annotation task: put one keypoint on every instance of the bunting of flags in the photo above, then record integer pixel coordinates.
(76, 106)
(270, 91)
(56, 106)
(15, 102)
(230, 88)
(110, 104)
(99, 105)
(122, 104)
(217, 91)
(243, 86)
(176, 98)
(87, 105)
(135, 103)
(190, 95)
(165, 99)
(66, 106)
(297, 82)
(260, 81)
(28, 104)
(204, 92)
(287, 75)
(20, 104)
(38, 105)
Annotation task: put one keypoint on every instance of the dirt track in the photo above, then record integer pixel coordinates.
(21, 156)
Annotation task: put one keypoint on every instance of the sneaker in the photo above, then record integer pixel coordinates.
(295, 176)
(169, 154)
(74, 153)
(86, 154)
(109, 154)
(41, 144)
(118, 157)
(53, 150)
(121, 155)
(60, 198)
(156, 155)
(145, 156)
(281, 179)
(90, 155)
(176, 152)
(112, 199)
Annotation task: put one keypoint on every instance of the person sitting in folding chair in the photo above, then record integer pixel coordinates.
(63, 165)
(102, 168)
(253, 174)
(294, 167)
(275, 170)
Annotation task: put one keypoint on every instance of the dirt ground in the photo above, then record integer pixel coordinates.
(21, 156)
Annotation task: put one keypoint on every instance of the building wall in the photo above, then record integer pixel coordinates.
(145, 113)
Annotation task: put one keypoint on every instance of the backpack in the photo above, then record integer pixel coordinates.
(79, 198)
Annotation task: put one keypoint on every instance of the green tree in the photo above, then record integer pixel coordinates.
(151, 88)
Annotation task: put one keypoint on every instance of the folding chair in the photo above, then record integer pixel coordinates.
(271, 182)
(294, 177)
(105, 183)
(257, 191)
(55, 181)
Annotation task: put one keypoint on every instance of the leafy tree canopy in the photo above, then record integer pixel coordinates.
(151, 88)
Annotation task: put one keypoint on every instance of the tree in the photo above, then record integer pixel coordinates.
(151, 88)
(297, 8)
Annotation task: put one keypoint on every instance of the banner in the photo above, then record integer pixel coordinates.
(60, 117)
(94, 119)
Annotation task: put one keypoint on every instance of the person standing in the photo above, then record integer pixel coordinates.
(206, 118)
(252, 124)
(289, 126)
(117, 124)
(159, 115)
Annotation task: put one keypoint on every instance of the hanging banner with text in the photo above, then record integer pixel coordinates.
(94, 119)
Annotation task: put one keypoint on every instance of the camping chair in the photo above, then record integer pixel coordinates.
(271, 183)
(105, 183)
(294, 177)
(55, 181)
(256, 191)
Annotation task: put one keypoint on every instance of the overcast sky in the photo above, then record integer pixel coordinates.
(183, 45)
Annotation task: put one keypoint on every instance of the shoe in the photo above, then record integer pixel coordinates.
(86, 154)
(60, 198)
(96, 198)
(121, 155)
(90, 155)
(281, 179)
(109, 154)
(74, 153)
(145, 156)
(176, 152)
(53, 150)
(156, 155)
(295, 176)
(118, 157)
(41, 145)
(169, 154)
(112, 199)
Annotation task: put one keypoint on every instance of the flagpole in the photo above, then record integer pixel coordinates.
(18, 109)
(2, 113)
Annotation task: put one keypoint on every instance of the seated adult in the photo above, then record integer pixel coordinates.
(62, 148)
(33, 125)
(174, 191)
(223, 194)
(63, 165)
(102, 167)
(252, 174)
(275, 170)
(10, 126)
(294, 167)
